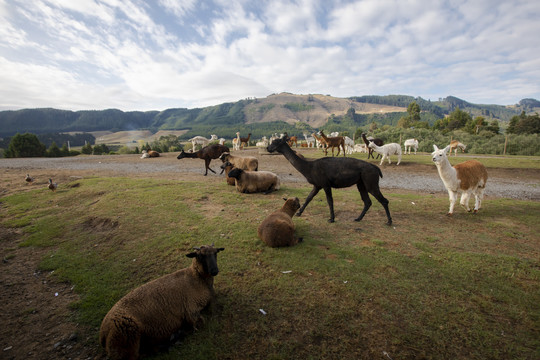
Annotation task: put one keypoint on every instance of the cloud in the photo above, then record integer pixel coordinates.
(131, 54)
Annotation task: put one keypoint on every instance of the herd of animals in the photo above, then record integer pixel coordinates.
(157, 312)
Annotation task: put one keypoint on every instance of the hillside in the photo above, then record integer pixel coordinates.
(282, 111)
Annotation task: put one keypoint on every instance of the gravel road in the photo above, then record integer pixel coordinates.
(521, 184)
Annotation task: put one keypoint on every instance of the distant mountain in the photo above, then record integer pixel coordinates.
(296, 111)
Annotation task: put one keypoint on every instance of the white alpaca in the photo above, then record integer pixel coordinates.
(236, 142)
(411, 143)
(349, 145)
(467, 178)
(221, 141)
(387, 150)
(361, 148)
(310, 140)
(334, 134)
(201, 140)
(455, 145)
(263, 142)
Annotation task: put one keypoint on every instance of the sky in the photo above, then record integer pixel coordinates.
(159, 54)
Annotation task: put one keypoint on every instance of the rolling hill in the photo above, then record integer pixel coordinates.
(284, 111)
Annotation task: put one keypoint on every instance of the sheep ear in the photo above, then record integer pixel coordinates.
(191, 255)
(220, 249)
(285, 199)
(435, 147)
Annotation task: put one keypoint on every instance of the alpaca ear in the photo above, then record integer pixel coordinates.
(435, 147)
(446, 149)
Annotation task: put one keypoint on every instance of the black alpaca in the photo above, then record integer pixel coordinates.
(332, 172)
(377, 142)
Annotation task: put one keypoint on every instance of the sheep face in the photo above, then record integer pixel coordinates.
(207, 256)
(235, 173)
(224, 157)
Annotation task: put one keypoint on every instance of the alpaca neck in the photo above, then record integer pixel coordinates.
(299, 164)
(447, 173)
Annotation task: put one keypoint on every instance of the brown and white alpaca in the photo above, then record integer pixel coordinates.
(467, 178)
(455, 145)
(333, 142)
(245, 141)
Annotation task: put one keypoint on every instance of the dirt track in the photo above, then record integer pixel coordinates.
(510, 183)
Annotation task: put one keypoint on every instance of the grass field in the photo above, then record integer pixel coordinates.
(429, 286)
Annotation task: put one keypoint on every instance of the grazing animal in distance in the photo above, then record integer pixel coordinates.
(386, 150)
(52, 186)
(207, 153)
(263, 142)
(377, 142)
(467, 178)
(293, 139)
(410, 143)
(29, 179)
(277, 229)
(310, 140)
(333, 142)
(334, 172)
(455, 145)
(255, 181)
(153, 313)
(201, 140)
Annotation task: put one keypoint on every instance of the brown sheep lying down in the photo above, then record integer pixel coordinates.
(278, 228)
(150, 314)
(255, 181)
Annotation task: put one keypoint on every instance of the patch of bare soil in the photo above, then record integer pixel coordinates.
(35, 314)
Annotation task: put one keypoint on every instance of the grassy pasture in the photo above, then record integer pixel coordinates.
(429, 286)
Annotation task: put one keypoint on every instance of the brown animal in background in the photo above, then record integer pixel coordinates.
(245, 140)
(150, 314)
(207, 153)
(277, 229)
(333, 142)
(455, 145)
(152, 153)
(293, 139)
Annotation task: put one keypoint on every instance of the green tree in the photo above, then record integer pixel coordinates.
(413, 110)
(25, 145)
(100, 149)
(64, 150)
(54, 150)
(87, 149)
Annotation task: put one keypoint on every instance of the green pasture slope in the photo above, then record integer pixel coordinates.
(429, 286)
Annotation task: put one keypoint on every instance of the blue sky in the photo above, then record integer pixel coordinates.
(153, 55)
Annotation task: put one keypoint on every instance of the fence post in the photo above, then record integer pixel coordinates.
(505, 142)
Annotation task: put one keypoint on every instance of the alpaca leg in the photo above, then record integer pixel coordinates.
(464, 202)
(207, 166)
(453, 197)
(313, 192)
(478, 197)
(382, 160)
(365, 198)
(376, 192)
(330, 201)
(398, 158)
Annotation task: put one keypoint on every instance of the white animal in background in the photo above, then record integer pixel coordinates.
(411, 143)
(263, 142)
(349, 145)
(361, 148)
(334, 134)
(310, 140)
(467, 178)
(236, 142)
(387, 150)
(455, 145)
(221, 141)
(201, 140)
